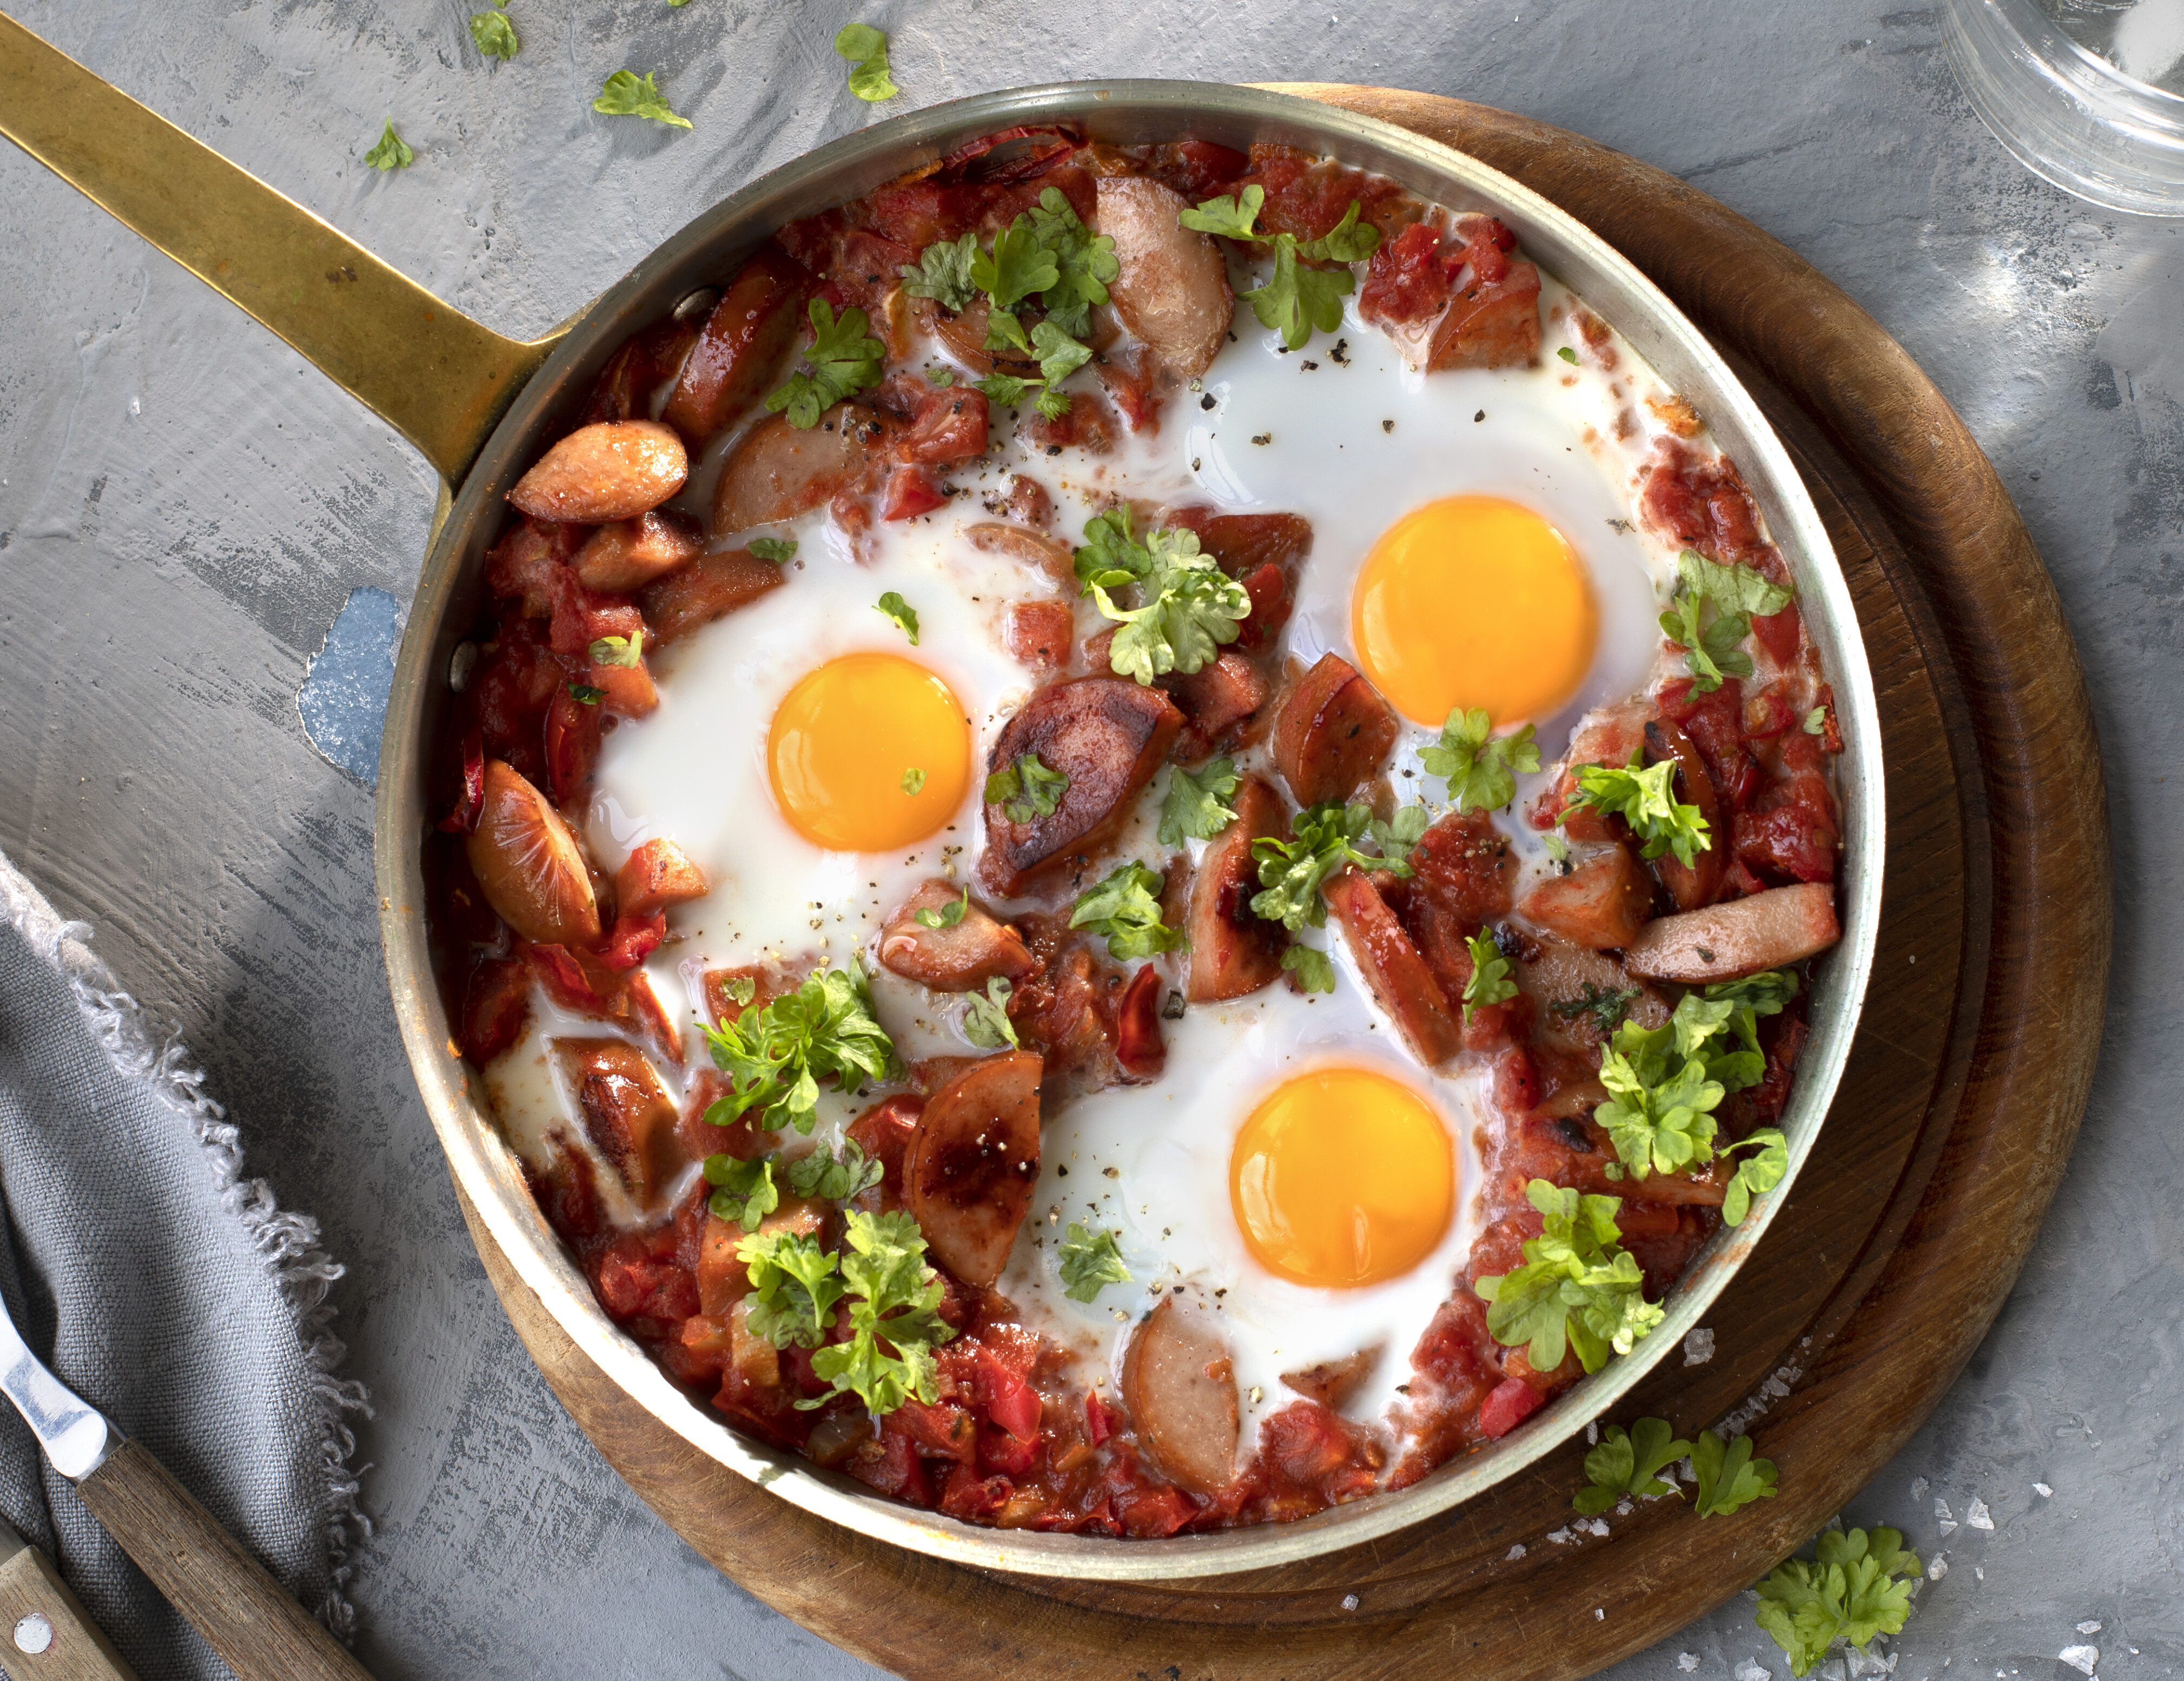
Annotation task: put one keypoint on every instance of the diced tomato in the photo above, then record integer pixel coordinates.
(632, 1279)
(1197, 169)
(1127, 378)
(1001, 1453)
(1515, 1081)
(572, 746)
(1509, 1404)
(969, 1496)
(1307, 196)
(943, 1430)
(1138, 1048)
(913, 491)
(1715, 721)
(947, 426)
(573, 982)
(867, 267)
(1500, 1249)
(916, 214)
(1146, 1512)
(634, 938)
(521, 566)
(1017, 1410)
(496, 1004)
(698, 1350)
(1767, 714)
(1099, 1419)
(882, 1132)
(463, 818)
(1780, 633)
(1269, 588)
(892, 1465)
(1037, 634)
(1409, 279)
(1455, 1352)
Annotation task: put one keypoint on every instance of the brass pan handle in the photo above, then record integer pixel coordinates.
(436, 376)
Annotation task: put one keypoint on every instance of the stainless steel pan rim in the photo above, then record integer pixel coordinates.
(449, 594)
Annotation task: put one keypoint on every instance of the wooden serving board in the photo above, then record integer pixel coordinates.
(1903, 1234)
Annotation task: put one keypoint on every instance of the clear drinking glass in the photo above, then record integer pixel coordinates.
(2036, 75)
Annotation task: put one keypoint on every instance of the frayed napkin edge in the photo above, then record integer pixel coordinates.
(287, 1244)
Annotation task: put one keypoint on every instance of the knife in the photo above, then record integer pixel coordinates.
(204, 1572)
(45, 1633)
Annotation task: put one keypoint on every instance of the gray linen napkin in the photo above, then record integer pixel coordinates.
(164, 1287)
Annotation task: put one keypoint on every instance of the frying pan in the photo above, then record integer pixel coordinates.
(476, 405)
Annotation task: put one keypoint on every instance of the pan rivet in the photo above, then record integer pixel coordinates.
(695, 306)
(34, 1633)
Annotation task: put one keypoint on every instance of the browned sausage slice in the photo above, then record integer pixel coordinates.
(744, 342)
(1728, 942)
(1400, 980)
(630, 554)
(1698, 882)
(1552, 972)
(778, 471)
(528, 865)
(708, 588)
(1603, 904)
(627, 1113)
(1333, 1382)
(972, 1162)
(1233, 952)
(1332, 734)
(1172, 292)
(951, 960)
(614, 469)
(1107, 734)
(1180, 1390)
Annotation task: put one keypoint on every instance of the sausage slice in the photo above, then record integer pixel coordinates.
(1728, 942)
(614, 469)
(1332, 733)
(1400, 980)
(972, 1162)
(1233, 952)
(527, 863)
(1180, 1389)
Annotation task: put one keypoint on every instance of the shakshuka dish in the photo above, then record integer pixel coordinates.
(1134, 840)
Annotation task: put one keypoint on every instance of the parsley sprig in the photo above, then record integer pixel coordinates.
(1126, 909)
(1314, 969)
(746, 1192)
(1664, 1083)
(866, 50)
(1090, 1261)
(776, 1057)
(492, 32)
(627, 94)
(898, 613)
(1187, 607)
(1627, 1462)
(1489, 982)
(1603, 1006)
(619, 650)
(1026, 788)
(986, 1021)
(1195, 807)
(947, 916)
(1291, 872)
(1728, 1476)
(1294, 299)
(1643, 799)
(845, 359)
(1059, 356)
(1577, 1288)
(1857, 1585)
(1479, 767)
(893, 1299)
(1711, 614)
(392, 153)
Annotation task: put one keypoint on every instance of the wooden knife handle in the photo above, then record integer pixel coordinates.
(206, 1574)
(45, 1633)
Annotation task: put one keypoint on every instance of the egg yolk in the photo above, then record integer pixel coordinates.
(1342, 1177)
(869, 752)
(1474, 601)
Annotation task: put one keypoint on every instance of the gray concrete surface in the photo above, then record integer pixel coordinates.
(185, 507)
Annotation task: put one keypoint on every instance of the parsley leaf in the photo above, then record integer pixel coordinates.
(1400, 832)
(866, 50)
(1313, 969)
(1604, 1005)
(913, 780)
(1816, 721)
(1126, 908)
(619, 650)
(986, 1021)
(1479, 767)
(744, 1190)
(843, 359)
(743, 989)
(1089, 1263)
(1557, 848)
(494, 34)
(1026, 789)
(943, 273)
(834, 1178)
(1629, 1462)
(900, 613)
(776, 1057)
(1291, 872)
(1294, 299)
(1643, 799)
(1083, 264)
(1728, 1476)
(392, 151)
(894, 1324)
(1664, 1083)
(795, 1285)
(1712, 640)
(1489, 982)
(1577, 1288)
(778, 549)
(1018, 266)
(587, 694)
(947, 916)
(1194, 807)
(1849, 1590)
(627, 94)
(1188, 606)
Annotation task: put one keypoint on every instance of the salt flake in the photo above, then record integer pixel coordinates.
(1937, 1569)
(1698, 1347)
(1598, 1526)
(2043, 1491)
(1978, 1517)
(1749, 1671)
(2080, 1658)
(1919, 1486)
(2089, 1627)
(1561, 1537)
(1515, 1552)
(1687, 1661)
(1349, 1603)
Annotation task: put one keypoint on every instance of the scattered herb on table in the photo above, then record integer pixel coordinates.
(627, 94)
(392, 151)
(866, 50)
